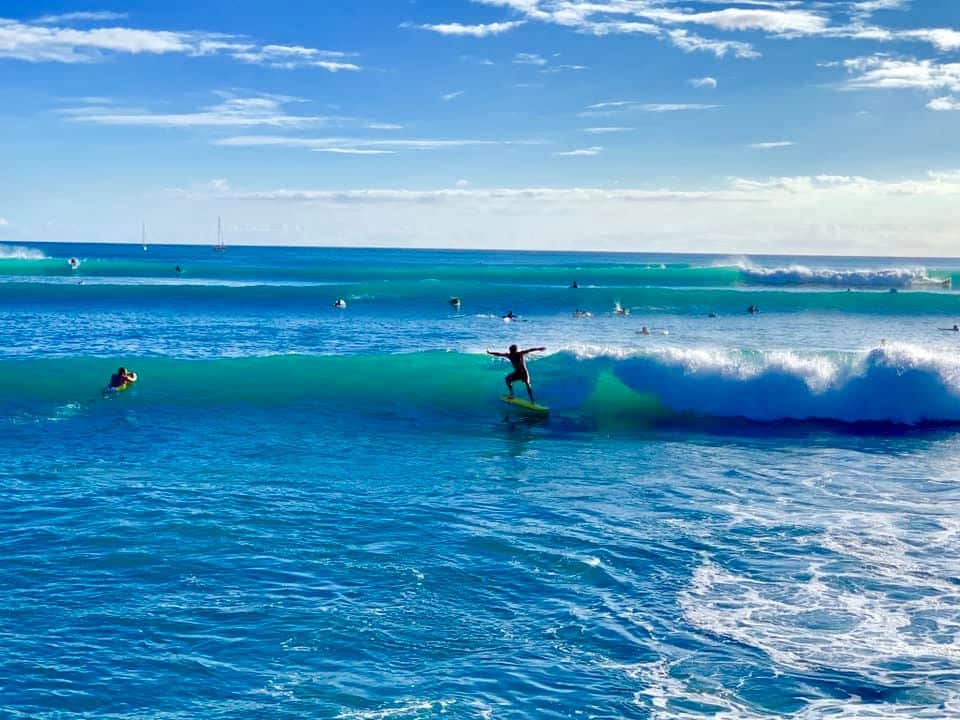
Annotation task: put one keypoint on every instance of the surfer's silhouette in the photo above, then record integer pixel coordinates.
(520, 373)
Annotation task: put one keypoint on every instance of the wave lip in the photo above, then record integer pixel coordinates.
(833, 277)
(19, 252)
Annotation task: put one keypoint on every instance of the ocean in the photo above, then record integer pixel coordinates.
(301, 510)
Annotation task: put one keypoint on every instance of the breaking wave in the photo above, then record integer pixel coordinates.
(595, 387)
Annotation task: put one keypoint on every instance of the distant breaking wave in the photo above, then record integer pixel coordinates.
(803, 275)
(602, 388)
(18, 252)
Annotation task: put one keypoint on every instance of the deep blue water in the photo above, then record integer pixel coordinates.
(303, 511)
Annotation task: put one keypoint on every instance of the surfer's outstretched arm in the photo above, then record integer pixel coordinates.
(497, 354)
(530, 350)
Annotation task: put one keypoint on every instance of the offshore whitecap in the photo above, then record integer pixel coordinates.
(303, 510)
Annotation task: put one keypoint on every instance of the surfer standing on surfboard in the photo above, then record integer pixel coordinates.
(517, 358)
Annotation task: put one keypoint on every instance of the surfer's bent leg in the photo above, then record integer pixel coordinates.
(510, 380)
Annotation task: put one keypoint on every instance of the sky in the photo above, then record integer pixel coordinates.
(777, 126)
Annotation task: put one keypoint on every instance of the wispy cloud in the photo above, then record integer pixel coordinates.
(451, 95)
(650, 107)
(333, 144)
(461, 30)
(83, 16)
(690, 42)
(354, 151)
(704, 82)
(291, 57)
(771, 145)
(558, 195)
(529, 59)
(606, 130)
(256, 111)
(42, 42)
(581, 152)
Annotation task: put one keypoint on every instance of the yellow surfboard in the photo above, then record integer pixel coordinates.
(525, 405)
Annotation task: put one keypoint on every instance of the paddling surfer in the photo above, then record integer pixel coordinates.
(520, 373)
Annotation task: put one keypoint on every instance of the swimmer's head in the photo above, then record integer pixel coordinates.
(513, 348)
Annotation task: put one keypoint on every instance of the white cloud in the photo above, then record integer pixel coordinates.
(88, 16)
(884, 72)
(944, 104)
(581, 152)
(4, 222)
(353, 151)
(792, 22)
(451, 96)
(258, 111)
(529, 59)
(944, 39)
(579, 195)
(805, 214)
(647, 107)
(704, 82)
(34, 42)
(461, 30)
(771, 145)
(865, 8)
(933, 184)
(291, 57)
(326, 144)
(689, 42)
(606, 130)
(461, 183)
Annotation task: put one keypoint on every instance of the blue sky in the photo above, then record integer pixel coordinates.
(783, 126)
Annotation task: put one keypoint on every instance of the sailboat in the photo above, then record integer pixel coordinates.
(219, 247)
(143, 235)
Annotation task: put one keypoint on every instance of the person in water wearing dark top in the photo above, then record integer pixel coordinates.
(121, 377)
(517, 358)
(575, 285)
(178, 269)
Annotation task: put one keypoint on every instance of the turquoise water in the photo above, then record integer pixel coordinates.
(304, 511)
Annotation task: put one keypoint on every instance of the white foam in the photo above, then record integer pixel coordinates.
(893, 383)
(18, 252)
(833, 277)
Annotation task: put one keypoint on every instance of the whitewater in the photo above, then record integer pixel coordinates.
(308, 510)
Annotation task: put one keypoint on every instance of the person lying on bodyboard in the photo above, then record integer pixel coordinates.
(520, 373)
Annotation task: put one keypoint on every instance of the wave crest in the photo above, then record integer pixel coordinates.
(832, 277)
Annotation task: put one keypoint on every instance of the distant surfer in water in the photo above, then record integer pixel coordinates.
(520, 373)
(121, 377)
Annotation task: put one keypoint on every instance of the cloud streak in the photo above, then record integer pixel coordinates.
(456, 29)
(257, 111)
(39, 42)
(581, 152)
